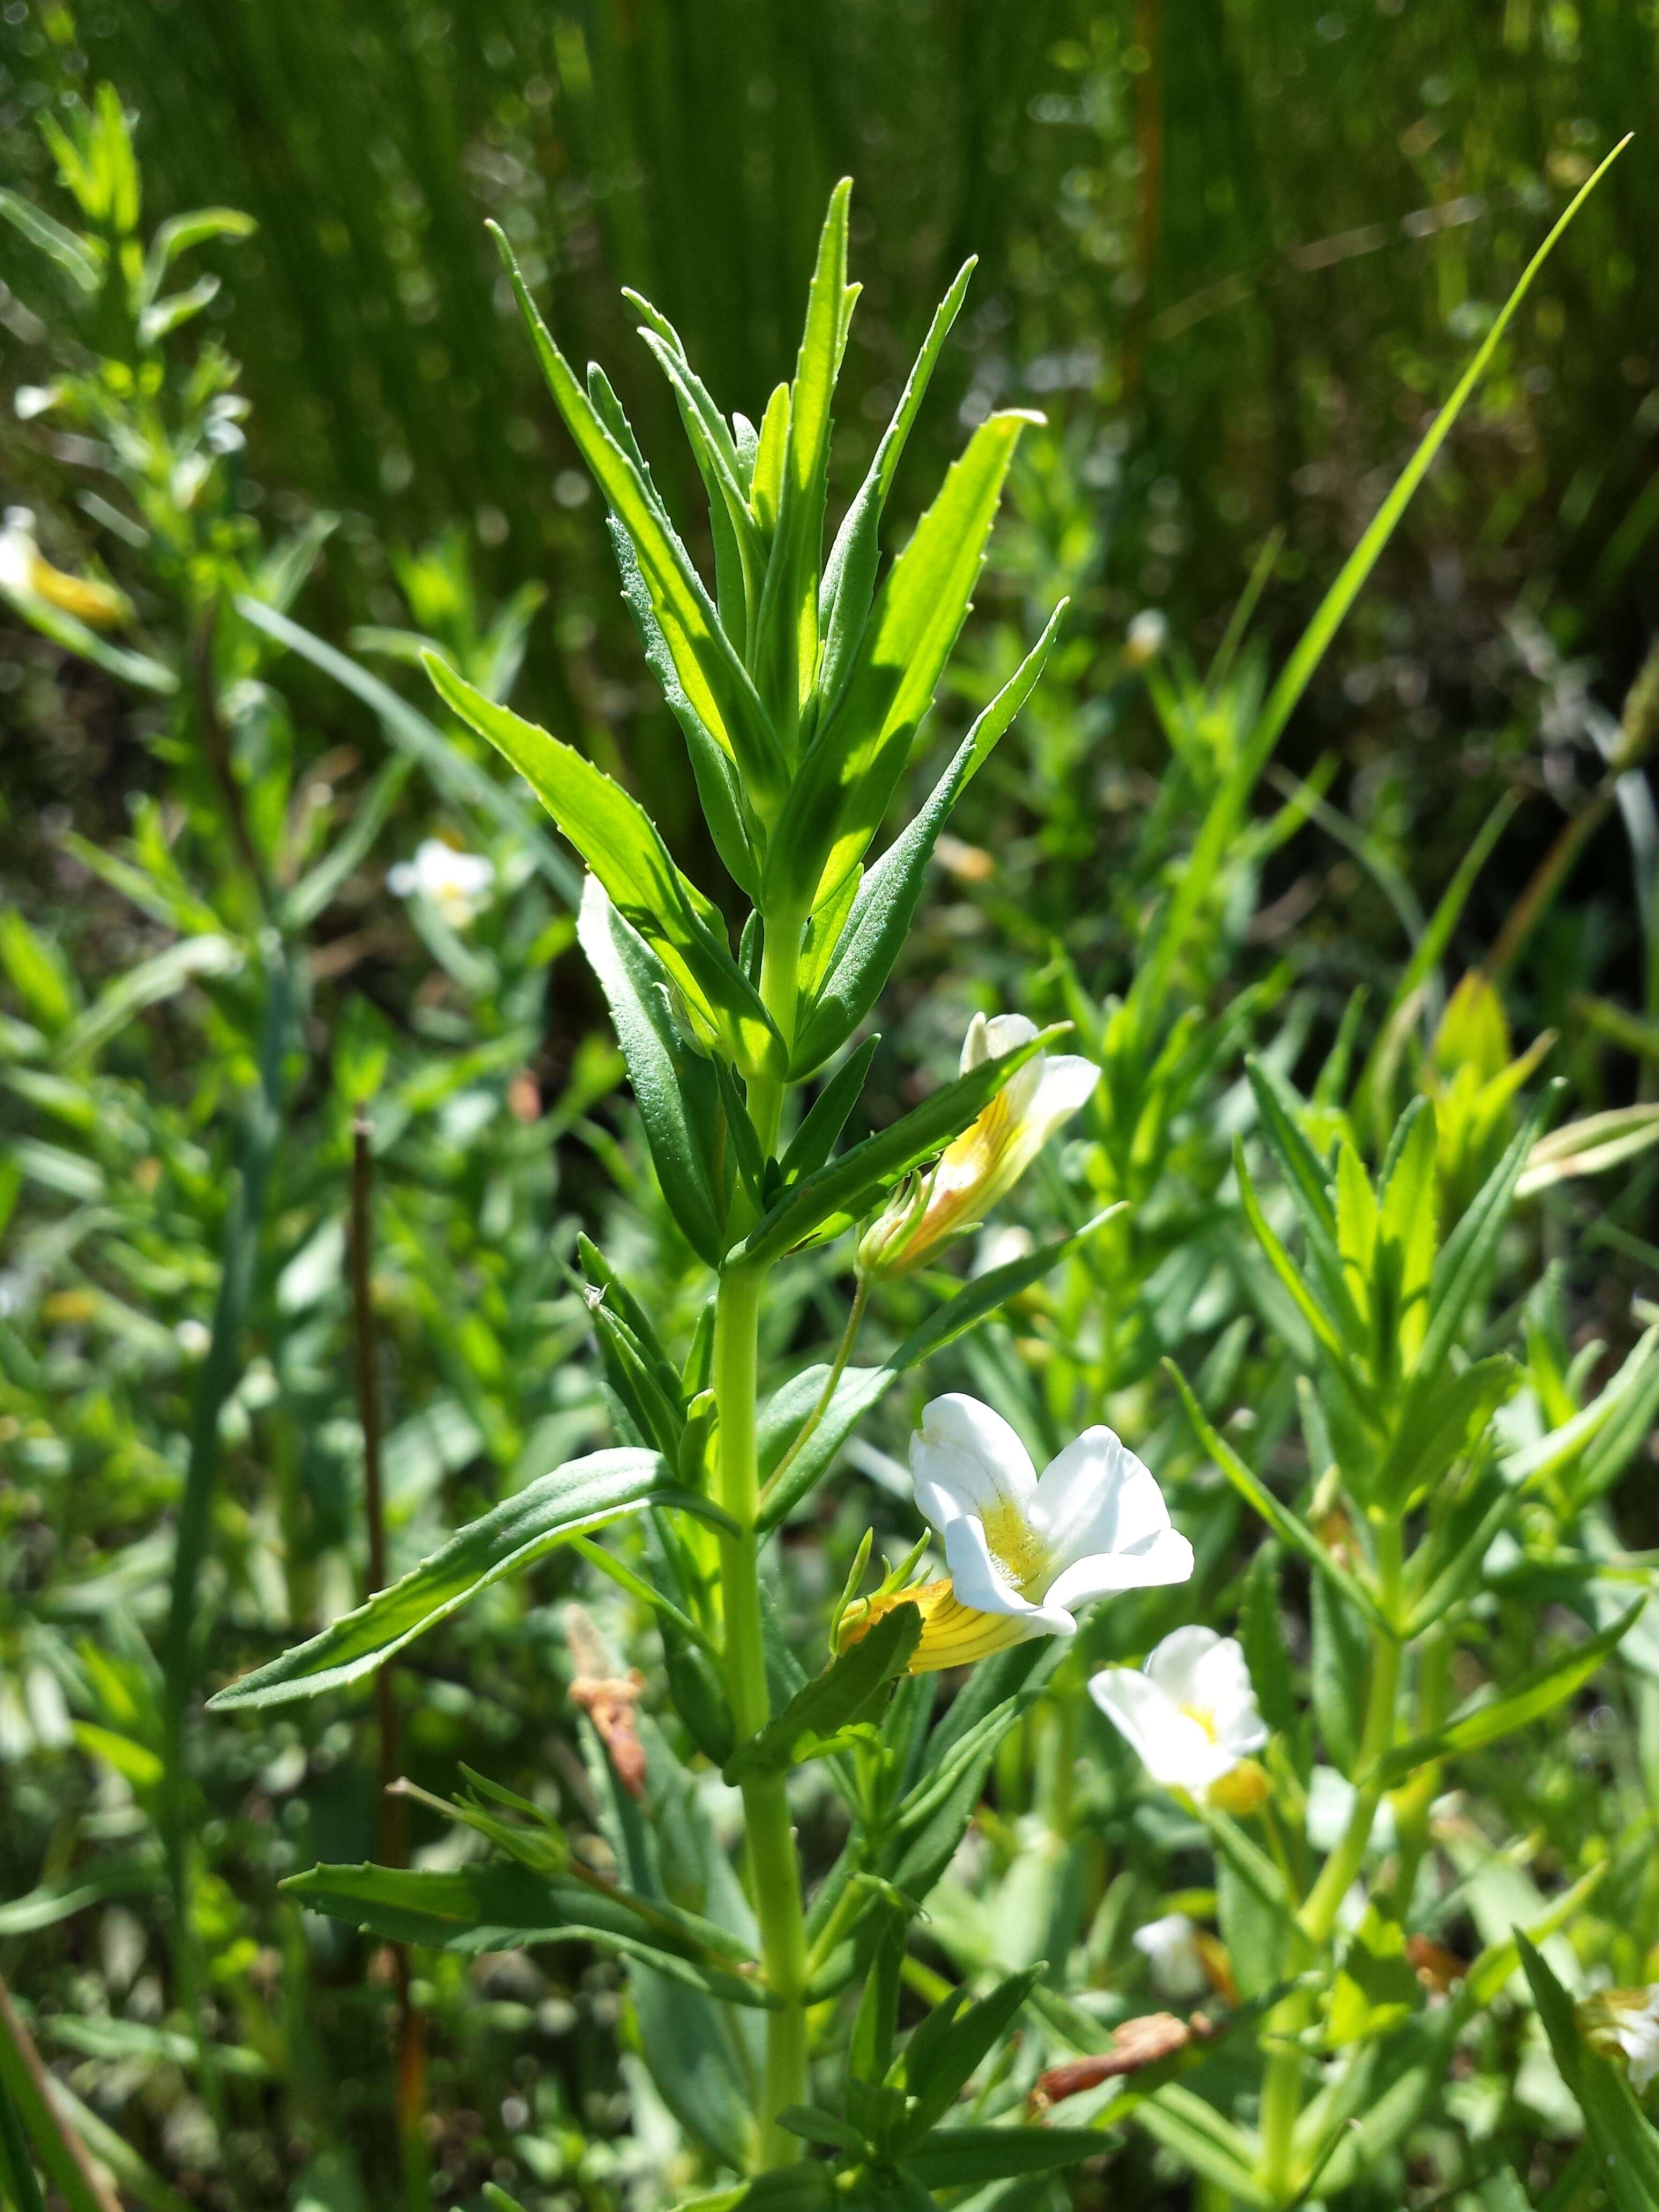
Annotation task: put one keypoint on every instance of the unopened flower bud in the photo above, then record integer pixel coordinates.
(1243, 1789)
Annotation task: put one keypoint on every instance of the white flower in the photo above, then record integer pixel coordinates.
(1627, 2022)
(1145, 637)
(1023, 1554)
(1191, 1715)
(988, 1158)
(457, 884)
(1173, 1958)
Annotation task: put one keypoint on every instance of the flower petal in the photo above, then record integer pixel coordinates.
(980, 1584)
(965, 1459)
(1067, 1083)
(1226, 1693)
(1005, 1033)
(1176, 1665)
(1167, 1558)
(1095, 1497)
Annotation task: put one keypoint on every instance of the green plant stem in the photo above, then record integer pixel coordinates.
(414, 2154)
(182, 1637)
(774, 1868)
(1281, 2091)
(770, 1834)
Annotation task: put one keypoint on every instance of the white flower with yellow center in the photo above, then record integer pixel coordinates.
(457, 884)
(988, 1158)
(1190, 1714)
(1024, 1553)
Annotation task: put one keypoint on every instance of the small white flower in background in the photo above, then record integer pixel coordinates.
(1024, 1553)
(1625, 2023)
(192, 1337)
(457, 884)
(1145, 638)
(988, 1158)
(1174, 1959)
(1191, 1714)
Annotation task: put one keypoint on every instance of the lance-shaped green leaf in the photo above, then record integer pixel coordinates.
(823, 1204)
(1489, 1718)
(852, 1688)
(710, 670)
(938, 2063)
(624, 848)
(826, 1118)
(503, 1908)
(79, 258)
(885, 905)
(1306, 1179)
(674, 1087)
(1442, 1419)
(849, 576)
(575, 1499)
(1283, 1522)
(1470, 1254)
(739, 551)
(853, 765)
(736, 835)
(861, 1388)
(959, 2157)
(786, 636)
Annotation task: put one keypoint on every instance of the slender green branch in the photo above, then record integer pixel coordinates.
(849, 1337)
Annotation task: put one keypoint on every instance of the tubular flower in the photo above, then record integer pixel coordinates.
(1191, 1714)
(1023, 1552)
(1625, 2023)
(26, 574)
(988, 1158)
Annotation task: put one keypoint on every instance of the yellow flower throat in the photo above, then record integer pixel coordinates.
(1014, 1544)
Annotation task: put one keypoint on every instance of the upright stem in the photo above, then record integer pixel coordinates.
(769, 1833)
(774, 1866)
(1281, 2091)
(393, 1838)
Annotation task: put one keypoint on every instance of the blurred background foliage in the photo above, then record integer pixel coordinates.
(1235, 251)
